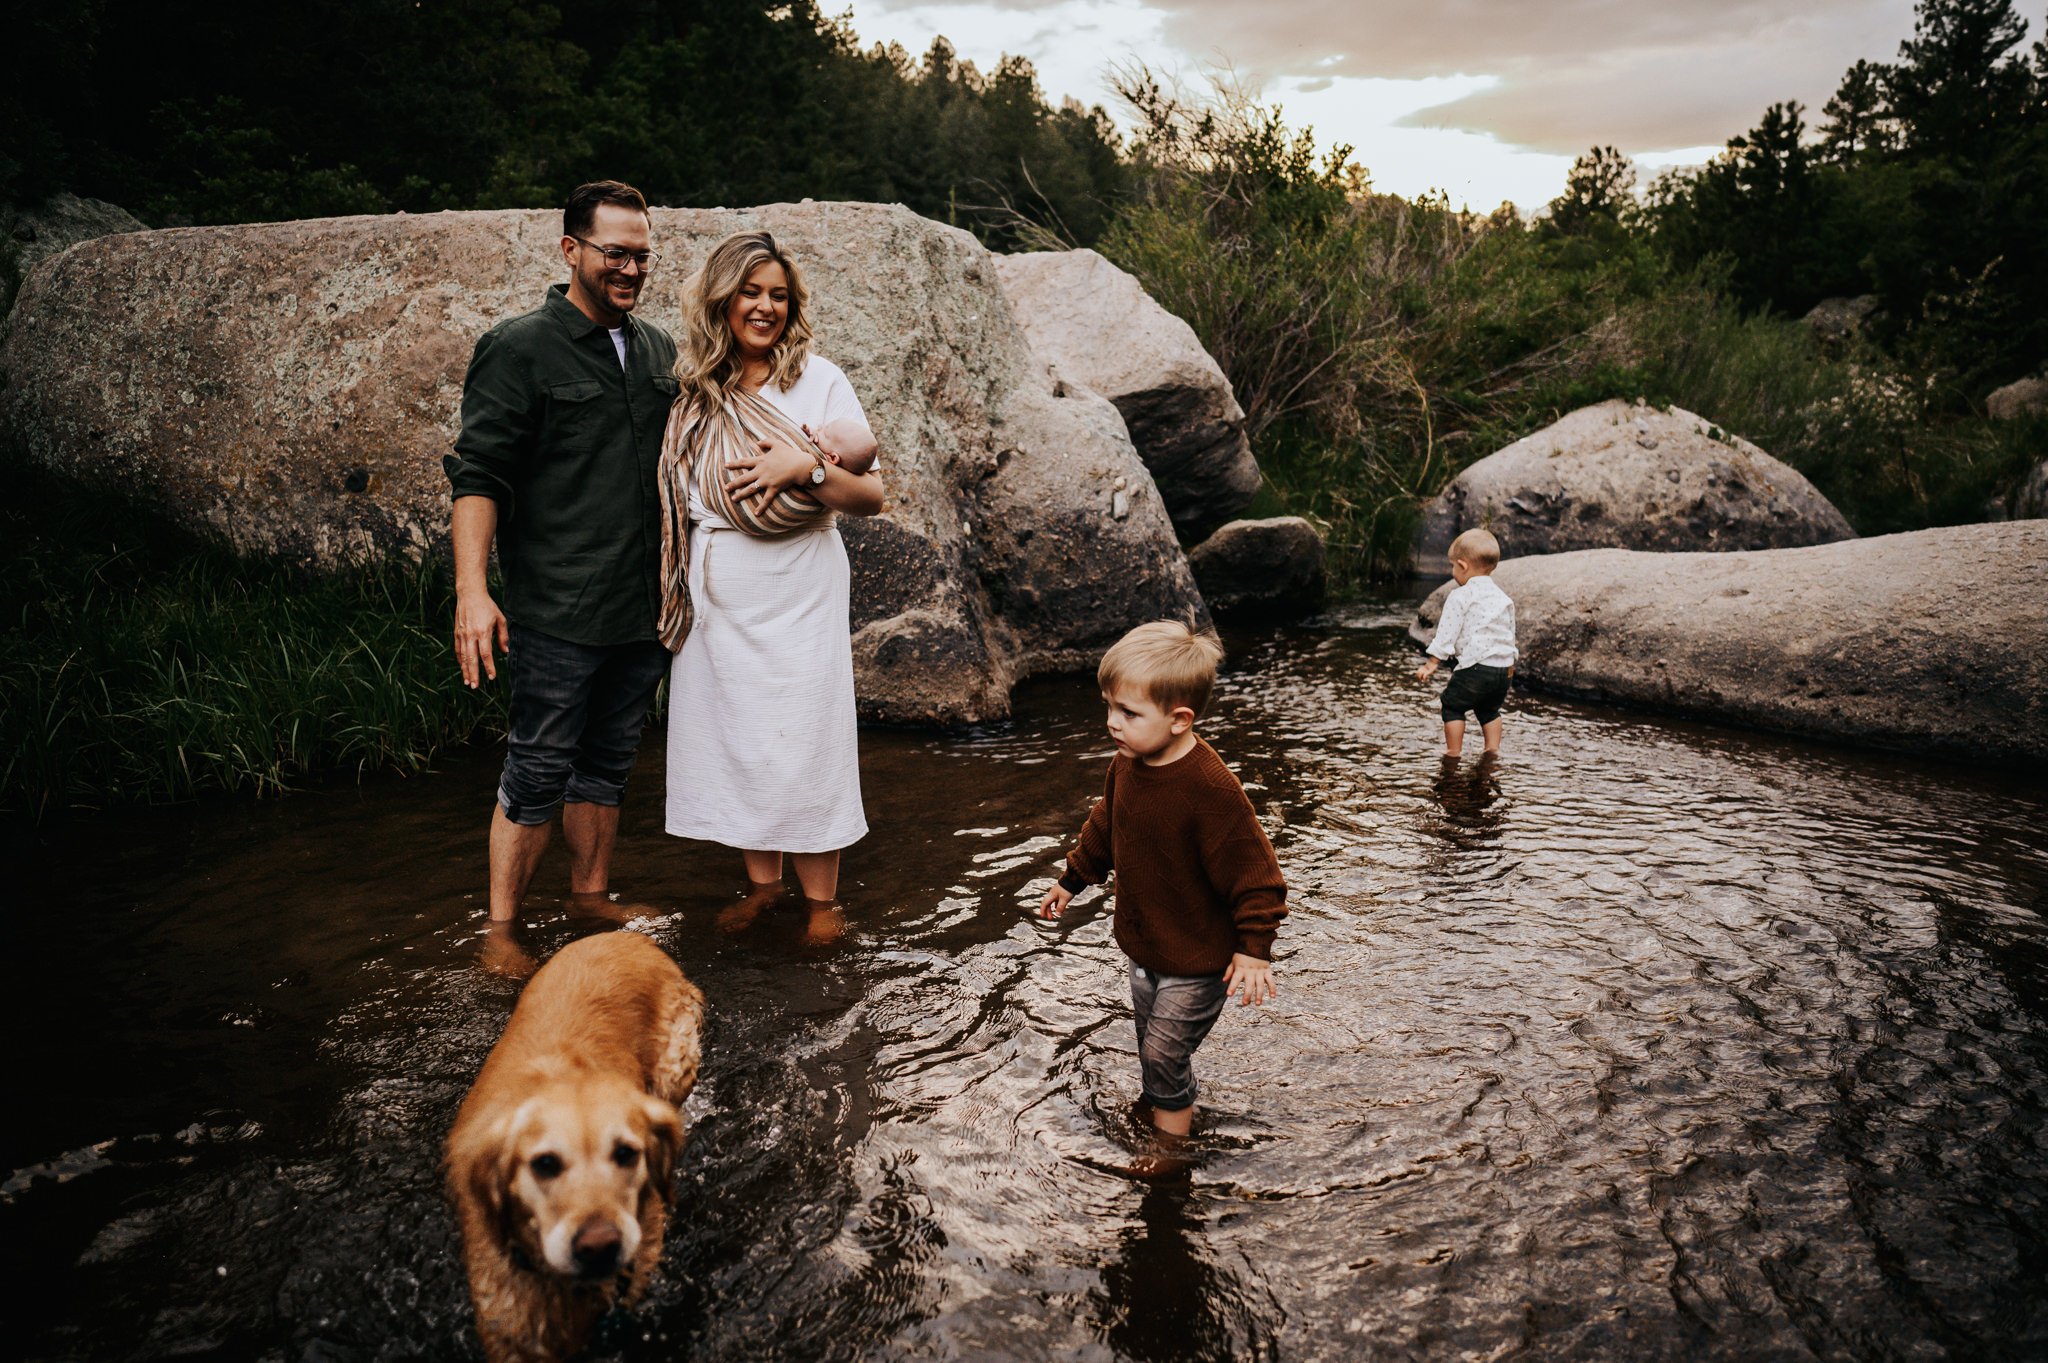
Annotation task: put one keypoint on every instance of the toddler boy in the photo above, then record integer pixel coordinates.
(1199, 893)
(1478, 629)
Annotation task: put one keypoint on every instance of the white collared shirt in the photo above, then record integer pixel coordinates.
(1477, 627)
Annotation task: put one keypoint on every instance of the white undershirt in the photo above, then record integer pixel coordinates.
(618, 335)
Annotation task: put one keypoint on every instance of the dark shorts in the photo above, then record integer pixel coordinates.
(575, 715)
(1478, 689)
(1174, 1012)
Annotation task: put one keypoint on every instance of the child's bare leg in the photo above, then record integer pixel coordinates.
(1174, 1123)
(1454, 736)
(1491, 729)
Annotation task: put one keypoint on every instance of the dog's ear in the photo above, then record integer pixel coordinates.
(663, 1127)
(486, 1161)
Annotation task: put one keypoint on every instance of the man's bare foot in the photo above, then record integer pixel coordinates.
(827, 923)
(502, 954)
(601, 904)
(740, 916)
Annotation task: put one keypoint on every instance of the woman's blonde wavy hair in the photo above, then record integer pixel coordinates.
(708, 363)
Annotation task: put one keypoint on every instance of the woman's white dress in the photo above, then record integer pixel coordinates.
(762, 749)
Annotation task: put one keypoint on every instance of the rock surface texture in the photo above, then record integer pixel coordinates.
(1096, 326)
(300, 412)
(64, 220)
(1933, 641)
(1274, 566)
(2023, 397)
(1629, 477)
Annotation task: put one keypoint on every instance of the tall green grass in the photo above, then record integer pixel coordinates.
(139, 665)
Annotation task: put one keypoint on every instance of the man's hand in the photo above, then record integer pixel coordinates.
(1250, 978)
(478, 625)
(1426, 671)
(1055, 902)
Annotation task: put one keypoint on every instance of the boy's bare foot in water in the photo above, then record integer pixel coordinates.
(502, 954)
(740, 916)
(602, 905)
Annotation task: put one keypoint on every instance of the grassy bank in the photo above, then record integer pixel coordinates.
(138, 665)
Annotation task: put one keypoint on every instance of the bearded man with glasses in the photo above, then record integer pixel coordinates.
(563, 410)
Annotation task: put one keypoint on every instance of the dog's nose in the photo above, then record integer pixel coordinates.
(596, 1248)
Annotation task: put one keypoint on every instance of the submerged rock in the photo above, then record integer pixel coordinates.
(1933, 641)
(1629, 477)
(1274, 566)
(1096, 326)
(299, 411)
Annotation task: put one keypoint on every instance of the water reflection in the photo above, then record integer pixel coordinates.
(1648, 1040)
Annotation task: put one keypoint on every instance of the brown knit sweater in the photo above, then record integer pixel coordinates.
(1196, 878)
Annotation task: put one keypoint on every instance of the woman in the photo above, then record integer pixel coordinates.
(762, 753)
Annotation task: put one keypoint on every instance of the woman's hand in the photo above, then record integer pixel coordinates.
(777, 466)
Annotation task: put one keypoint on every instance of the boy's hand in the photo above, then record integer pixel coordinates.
(1426, 671)
(1055, 902)
(1250, 978)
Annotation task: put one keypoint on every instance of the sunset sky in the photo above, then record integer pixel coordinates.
(1487, 99)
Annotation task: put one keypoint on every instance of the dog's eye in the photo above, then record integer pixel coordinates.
(625, 1156)
(546, 1166)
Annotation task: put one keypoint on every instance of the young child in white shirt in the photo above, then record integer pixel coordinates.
(1478, 629)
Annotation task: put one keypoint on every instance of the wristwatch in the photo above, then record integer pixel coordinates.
(818, 470)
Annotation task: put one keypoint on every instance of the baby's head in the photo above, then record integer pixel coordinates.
(1475, 553)
(1156, 681)
(847, 443)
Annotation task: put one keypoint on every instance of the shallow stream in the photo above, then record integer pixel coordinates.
(1654, 1040)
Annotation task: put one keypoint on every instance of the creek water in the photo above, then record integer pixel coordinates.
(1652, 1040)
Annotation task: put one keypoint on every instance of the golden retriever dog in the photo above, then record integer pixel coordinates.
(561, 1160)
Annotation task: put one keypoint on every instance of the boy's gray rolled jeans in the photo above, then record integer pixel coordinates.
(1174, 1013)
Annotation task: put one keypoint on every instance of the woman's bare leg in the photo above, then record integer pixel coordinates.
(817, 872)
(763, 868)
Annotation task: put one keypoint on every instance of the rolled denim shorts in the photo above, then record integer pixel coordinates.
(575, 712)
(1477, 688)
(1174, 1013)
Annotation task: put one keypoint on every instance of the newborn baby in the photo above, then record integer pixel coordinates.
(847, 443)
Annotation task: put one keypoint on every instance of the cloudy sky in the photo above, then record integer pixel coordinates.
(1487, 99)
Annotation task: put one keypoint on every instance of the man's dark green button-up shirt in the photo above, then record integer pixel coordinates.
(566, 441)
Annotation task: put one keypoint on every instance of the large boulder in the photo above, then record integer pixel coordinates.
(64, 220)
(1835, 321)
(1273, 566)
(1933, 641)
(1616, 475)
(2022, 397)
(1096, 326)
(300, 410)
(2031, 500)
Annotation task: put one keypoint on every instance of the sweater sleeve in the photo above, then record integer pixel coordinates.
(1238, 858)
(1092, 859)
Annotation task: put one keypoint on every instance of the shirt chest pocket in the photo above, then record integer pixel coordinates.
(665, 387)
(575, 411)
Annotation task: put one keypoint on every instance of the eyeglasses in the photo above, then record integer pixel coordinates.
(617, 256)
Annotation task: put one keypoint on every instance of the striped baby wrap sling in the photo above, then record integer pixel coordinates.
(696, 448)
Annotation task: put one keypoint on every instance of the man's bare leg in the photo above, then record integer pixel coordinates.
(591, 832)
(1454, 736)
(817, 872)
(516, 850)
(1491, 729)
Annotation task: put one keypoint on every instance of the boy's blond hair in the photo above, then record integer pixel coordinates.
(1172, 664)
(1476, 547)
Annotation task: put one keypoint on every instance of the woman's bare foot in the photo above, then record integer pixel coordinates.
(827, 922)
(739, 916)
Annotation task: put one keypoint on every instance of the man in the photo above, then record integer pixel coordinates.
(562, 416)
